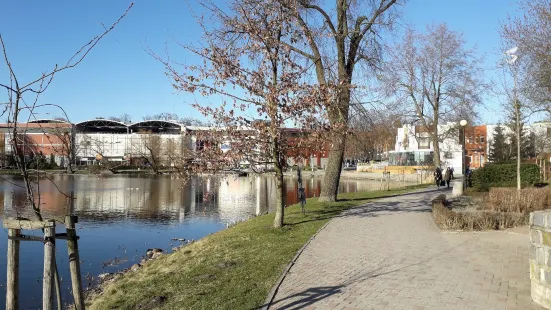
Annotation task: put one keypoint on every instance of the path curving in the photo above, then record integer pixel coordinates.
(389, 255)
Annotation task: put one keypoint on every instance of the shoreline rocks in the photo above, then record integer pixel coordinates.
(154, 253)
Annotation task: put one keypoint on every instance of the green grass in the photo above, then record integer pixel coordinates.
(253, 252)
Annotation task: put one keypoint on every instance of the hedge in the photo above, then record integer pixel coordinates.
(504, 175)
(448, 219)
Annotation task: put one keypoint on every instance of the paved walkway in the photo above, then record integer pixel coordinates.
(390, 255)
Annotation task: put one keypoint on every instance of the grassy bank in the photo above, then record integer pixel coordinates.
(232, 269)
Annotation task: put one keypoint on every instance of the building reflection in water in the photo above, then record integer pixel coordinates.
(145, 198)
(162, 198)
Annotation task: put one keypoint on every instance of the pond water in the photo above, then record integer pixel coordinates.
(120, 217)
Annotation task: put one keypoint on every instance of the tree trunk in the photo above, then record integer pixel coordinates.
(517, 112)
(280, 207)
(436, 146)
(337, 116)
(330, 187)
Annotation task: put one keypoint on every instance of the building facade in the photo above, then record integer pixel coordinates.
(106, 141)
(414, 147)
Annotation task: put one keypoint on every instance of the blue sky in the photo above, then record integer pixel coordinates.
(120, 77)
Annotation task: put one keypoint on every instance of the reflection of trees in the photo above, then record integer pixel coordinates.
(162, 199)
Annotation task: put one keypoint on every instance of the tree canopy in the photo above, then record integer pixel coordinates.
(434, 77)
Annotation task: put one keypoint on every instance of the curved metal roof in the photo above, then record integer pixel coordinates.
(101, 122)
(101, 125)
(48, 121)
(157, 126)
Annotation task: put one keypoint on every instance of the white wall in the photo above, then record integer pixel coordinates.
(407, 142)
(116, 146)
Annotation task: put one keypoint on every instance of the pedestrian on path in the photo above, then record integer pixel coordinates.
(438, 176)
(448, 176)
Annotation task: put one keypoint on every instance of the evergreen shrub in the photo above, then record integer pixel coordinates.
(504, 175)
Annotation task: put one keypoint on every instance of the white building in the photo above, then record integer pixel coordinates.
(414, 147)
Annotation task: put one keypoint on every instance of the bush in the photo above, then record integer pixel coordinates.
(448, 219)
(508, 200)
(42, 164)
(504, 175)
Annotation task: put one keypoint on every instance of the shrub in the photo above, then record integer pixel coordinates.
(508, 200)
(448, 219)
(42, 164)
(504, 175)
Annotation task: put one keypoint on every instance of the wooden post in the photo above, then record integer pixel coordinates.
(49, 260)
(74, 261)
(544, 169)
(57, 287)
(12, 285)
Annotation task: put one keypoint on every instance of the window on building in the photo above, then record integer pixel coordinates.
(482, 139)
(424, 143)
(469, 139)
(476, 139)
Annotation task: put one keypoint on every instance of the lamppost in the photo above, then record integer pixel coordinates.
(512, 56)
(463, 124)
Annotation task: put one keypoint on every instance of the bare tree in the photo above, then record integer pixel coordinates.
(337, 39)
(64, 144)
(371, 133)
(531, 33)
(123, 118)
(150, 148)
(189, 121)
(246, 62)
(174, 152)
(61, 119)
(24, 97)
(164, 116)
(529, 64)
(435, 77)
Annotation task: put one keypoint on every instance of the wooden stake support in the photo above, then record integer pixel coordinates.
(12, 284)
(24, 224)
(74, 261)
(49, 259)
(14, 227)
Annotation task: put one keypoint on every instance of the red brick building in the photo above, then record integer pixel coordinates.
(476, 146)
(308, 155)
(38, 138)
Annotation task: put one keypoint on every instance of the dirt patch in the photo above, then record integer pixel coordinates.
(153, 303)
(227, 264)
(204, 277)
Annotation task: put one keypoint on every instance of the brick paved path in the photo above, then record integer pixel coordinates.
(390, 255)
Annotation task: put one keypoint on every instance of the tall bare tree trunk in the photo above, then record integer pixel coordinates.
(436, 146)
(330, 187)
(280, 207)
(338, 116)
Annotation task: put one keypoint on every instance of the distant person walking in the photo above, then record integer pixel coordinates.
(448, 176)
(438, 176)
(452, 170)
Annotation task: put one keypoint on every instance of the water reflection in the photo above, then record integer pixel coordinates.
(145, 198)
(121, 216)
